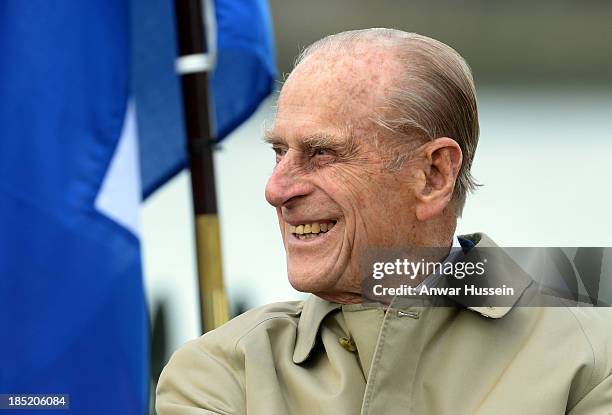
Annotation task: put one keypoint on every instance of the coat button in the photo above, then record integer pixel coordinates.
(348, 344)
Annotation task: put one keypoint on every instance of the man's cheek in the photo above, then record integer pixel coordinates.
(348, 193)
(281, 226)
(363, 194)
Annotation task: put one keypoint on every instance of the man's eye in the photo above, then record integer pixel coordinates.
(320, 151)
(322, 155)
(280, 151)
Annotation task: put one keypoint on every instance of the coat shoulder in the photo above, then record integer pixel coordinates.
(208, 372)
(278, 315)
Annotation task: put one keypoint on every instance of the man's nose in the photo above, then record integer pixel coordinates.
(288, 181)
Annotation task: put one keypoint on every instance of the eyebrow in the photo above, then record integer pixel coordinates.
(270, 138)
(316, 141)
(321, 141)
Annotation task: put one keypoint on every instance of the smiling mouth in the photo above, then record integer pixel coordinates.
(311, 230)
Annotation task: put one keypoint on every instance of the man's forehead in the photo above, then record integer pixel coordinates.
(365, 58)
(325, 111)
(341, 81)
(334, 95)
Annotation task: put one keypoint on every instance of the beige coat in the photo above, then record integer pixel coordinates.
(317, 357)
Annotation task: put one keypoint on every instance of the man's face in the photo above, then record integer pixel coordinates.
(333, 194)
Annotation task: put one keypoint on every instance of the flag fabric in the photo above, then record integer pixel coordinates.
(245, 69)
(73, 316)
(243, 75)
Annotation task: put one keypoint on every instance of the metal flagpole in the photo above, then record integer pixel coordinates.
(193, 65)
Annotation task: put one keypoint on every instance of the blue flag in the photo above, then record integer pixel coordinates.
(72, 311)
(243, 76)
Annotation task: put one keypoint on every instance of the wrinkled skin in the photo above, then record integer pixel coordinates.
(330, 166)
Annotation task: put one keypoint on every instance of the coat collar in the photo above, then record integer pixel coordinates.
(504, 271)
(314, 311)
(501, 270)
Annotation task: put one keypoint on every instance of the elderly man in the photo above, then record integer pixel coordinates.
(374, 137)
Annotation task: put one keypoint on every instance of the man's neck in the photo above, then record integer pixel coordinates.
(445, 253)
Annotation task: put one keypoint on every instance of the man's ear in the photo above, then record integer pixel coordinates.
(442, 159)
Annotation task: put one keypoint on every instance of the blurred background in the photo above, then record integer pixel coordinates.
(71, 256)
(543, 75)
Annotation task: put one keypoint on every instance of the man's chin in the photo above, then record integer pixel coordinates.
(325, 286)
(309, 283)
